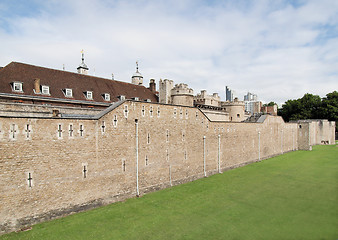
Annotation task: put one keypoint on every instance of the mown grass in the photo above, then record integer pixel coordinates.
(293, 196)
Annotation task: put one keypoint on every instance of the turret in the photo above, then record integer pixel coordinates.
(137, 78)
(83, 69)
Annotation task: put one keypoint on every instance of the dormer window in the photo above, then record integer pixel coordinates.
(45, 89)
(17, 86)
(106, 96)
(68, 92)
(89, 95)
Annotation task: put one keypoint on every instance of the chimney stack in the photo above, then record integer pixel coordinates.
(37, 86)
(152, 85)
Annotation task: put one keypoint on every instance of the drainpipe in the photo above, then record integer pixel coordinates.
(281, 144)
(137, 187)
(219, 153)
(293, 140)
(170, 175)
(259, 146)
(205, 173)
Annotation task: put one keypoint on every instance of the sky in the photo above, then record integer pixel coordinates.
(277, 49)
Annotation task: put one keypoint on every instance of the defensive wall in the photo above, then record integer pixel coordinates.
(54, 166)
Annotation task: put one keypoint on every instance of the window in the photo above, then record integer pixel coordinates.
(89, 95)
(59, 131)
(238, 115)
(85, 170)
(151, 111)
(45, 89)
(103, 127)
(28, 131)
(175, 112)
(106, 97)
(115, 121)
(143, 111)
(158, 112)
(17, 86)
(71, 130)
(81, 129)
(68, 92)
(29, 180)
(125, 111)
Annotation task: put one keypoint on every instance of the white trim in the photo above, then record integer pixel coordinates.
(68, 92)
(45, 90)
(17, 86)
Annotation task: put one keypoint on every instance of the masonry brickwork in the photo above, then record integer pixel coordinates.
(52, 166)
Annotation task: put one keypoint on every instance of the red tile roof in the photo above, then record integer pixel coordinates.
(58, 80)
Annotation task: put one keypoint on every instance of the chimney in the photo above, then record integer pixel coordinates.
(152, 85)
(37, 85)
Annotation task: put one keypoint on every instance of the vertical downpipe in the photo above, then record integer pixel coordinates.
(205, 173)
(293, 140)
(281, 142)
(219, 153)
(170, 175)
(137, 187)
(259, 146)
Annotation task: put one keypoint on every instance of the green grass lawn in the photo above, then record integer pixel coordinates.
(293, 196)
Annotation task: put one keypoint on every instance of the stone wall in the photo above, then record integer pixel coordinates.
(51, 167)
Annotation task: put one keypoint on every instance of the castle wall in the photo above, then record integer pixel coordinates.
(94, 162)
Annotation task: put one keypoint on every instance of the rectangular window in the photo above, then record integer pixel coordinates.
(106, 97)
(68, 92)
(71, 130)
(151, 111)
(115, 121)
(17, 86)
(81, 130)
(158, 112)
(60, 131)
(103, 127)
(45, 89)
(28, 131)
(89, 95)
(30, 180)
(125, 111)
(143, 111)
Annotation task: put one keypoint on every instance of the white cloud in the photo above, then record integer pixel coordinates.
(274, 49)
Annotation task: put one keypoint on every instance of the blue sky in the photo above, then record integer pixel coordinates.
(277, 49)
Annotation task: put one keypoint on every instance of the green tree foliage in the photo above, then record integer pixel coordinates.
(269, 104)
(311, 107)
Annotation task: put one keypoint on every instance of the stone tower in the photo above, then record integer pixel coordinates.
(182, 95)
(165, 87)
(137, 78)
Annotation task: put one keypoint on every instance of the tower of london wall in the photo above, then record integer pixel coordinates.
(54, 166)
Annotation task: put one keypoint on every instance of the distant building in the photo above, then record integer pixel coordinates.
(229, 96)
(252, 105)
(272, 110)
(250, 97)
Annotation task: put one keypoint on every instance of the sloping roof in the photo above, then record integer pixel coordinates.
(58, 80)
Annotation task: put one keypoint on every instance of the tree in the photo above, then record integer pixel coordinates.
(311, 107)
(269, 104)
